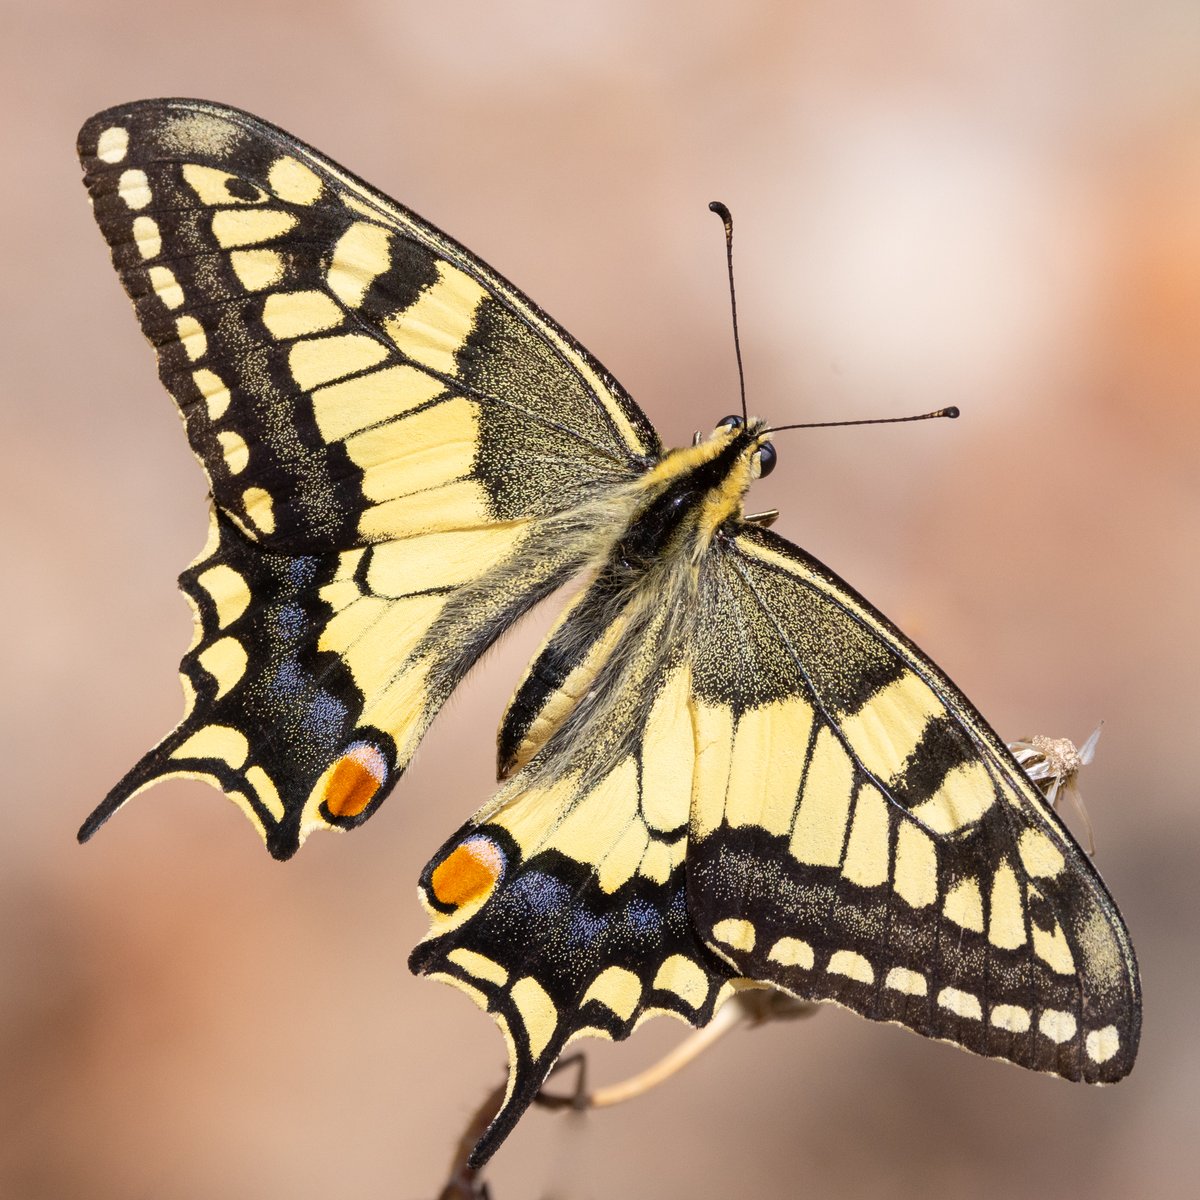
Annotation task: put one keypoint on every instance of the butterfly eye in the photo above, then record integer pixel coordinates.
(766, 459)
(729, 423)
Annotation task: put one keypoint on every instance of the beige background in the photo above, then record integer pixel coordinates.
(994, 204)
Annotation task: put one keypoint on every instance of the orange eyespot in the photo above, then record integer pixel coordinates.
(354, 780)
(468, 872)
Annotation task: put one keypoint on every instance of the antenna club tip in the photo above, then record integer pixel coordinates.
(720, 209)
(951, 412)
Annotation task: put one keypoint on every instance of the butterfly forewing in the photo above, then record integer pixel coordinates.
(386, 425)
(861, 835)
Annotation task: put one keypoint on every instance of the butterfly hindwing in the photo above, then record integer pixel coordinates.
(312, 678)
(370, 402)
(570, 887)
(860, 834)
(562, 908)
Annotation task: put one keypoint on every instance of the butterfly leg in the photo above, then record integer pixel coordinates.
(765, 519)
(578, 1099)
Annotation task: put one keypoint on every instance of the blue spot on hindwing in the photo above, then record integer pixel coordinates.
(540, 893)
(303, 570)
(291, 621)
(643, 920)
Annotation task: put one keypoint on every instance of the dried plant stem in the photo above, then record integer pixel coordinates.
(746, 1008)
(728, 1018)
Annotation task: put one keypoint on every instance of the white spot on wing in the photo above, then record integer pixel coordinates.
(134, 188)
(256, 269)
(792, 952)
(145, 233)
(1057, 1026)
(1039, 855)
(852, 965)
(735, 932)
(680, 975)
(212, 388)
(112, 144)
(911, 983)
(1102, 1044)
(163, 280)
(191, 335)
(478, 965)
(1010, 1017)
(292, 181)
(961, 1004)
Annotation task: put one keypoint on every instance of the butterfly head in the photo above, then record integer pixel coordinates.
(699, 488)
(756, 434)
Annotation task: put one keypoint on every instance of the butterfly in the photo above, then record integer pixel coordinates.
(722, 769)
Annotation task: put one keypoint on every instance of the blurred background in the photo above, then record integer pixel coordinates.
(994, 204)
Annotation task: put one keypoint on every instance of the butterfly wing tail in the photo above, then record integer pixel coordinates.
(280, 831)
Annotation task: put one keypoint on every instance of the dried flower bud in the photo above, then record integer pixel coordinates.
(1053, 765)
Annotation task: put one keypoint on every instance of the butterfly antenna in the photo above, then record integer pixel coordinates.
(950, 412)
(727, 220)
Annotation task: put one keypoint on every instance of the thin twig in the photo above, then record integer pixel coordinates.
(464, 1182)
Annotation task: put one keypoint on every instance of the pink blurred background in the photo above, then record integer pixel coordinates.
(994, 204)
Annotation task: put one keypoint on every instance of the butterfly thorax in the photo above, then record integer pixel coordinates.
(631, 625)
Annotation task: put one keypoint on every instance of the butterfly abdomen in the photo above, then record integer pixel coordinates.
(633, 620)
